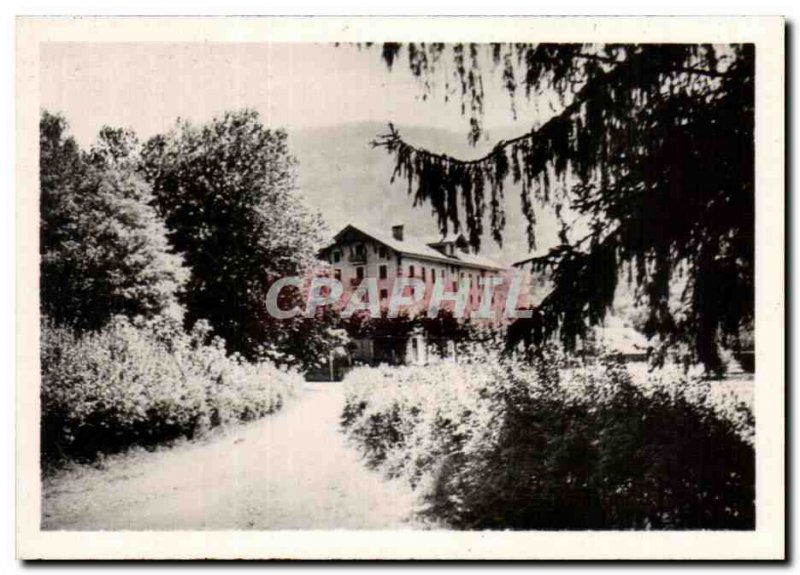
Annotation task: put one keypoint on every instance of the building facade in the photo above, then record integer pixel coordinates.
(357, 253)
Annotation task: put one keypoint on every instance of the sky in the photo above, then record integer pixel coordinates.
(146, 86)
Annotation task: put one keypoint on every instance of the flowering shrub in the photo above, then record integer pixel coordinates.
(143, 383)
(496, 444)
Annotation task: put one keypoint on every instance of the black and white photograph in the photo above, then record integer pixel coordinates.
(455, 284)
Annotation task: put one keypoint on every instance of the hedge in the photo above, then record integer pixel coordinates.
(144, 383)
(497, 444)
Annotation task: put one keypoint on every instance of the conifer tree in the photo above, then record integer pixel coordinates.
(650, 147)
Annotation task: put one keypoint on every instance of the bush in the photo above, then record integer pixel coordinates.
(145, 383)
(495, 444)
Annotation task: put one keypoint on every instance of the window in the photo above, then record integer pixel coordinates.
(337, 275)
(455, 286)
(411, 271)
(441, 273)
(382, 272)
(337, 255)
(422, 270)
(384, 294)
(360, 272)
(383, 253)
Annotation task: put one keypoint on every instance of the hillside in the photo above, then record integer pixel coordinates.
(349, 181)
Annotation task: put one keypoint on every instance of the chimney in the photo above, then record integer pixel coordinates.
(397, 232)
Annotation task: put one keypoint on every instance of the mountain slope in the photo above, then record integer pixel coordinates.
(348, 180)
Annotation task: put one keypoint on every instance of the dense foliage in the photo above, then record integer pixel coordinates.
(645, 152)
(503, 445)
(440, 331)
(118, 367)
(227, 192)
(145, 382)
(104, 250)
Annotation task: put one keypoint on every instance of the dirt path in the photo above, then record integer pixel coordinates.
(292, 470)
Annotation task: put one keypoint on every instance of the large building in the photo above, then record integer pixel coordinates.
(358, 252)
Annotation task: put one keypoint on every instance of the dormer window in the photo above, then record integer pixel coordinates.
(358, 253)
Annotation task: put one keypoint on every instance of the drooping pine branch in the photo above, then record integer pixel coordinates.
(571, 137)
(653, 147)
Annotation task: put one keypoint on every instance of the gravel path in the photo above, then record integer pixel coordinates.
(291, 470)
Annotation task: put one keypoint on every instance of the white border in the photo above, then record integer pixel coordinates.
(768, 539)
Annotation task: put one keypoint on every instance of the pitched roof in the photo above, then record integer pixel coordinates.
(621, 338)
(415, 247)
(478, 261)
(452, 237)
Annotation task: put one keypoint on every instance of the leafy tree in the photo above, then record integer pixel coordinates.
(648, 147)
(61, 169)
(115, 147)
(103, 248)
(227, 192)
